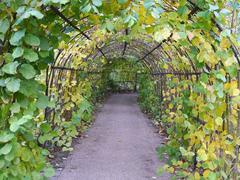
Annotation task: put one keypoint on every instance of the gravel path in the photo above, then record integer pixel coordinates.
(121, 145)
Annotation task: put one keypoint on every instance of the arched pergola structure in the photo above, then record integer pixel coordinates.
(189, 50)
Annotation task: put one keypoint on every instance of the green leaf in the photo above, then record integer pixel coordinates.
(26, 154)
(8, 57)
(148, 3)
(10, 68)
(27, 13)
(182, 10)
(122, 1)
(30, 55)
(16, 37)
(29, 88)
(2, 83)
(64, 1)
(45, 128)
(44, 54)
(204, 78)
(110, 26)
(162, 34)
(6, 137)
(42, 102)
(2, 37)
(87, 8)
(46, 137)
(219, 121)
(12, 84)
(36, 13)
(15, 108)
(212, 176)
(182, 150)
(10, 156)
(213, 7)
(2, 163)
(4, 25)
(17, 52)
(16, 124)
(221, 77)
(27, 71)
(44, 45)
(97, 3)
(32, 40)
(6, 149)
(49, 172)
(232, 70)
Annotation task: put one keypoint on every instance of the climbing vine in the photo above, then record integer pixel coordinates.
(53, 53)
(199, 123)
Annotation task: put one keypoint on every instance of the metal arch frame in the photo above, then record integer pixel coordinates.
(112, 42)
(191, 4)
(160, 52)
(146, 63)
(130, 46)
(194, 10)
(114, 48)
(135, 51)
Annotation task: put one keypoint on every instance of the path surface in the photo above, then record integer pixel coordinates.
(121, 145)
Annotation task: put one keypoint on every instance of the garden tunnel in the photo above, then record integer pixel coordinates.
(190, 78)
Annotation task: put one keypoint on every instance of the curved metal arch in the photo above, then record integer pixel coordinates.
(116, 48)
(112, 52)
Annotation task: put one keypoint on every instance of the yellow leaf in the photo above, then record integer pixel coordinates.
(229, 61)
(149, 19)
(172, 91)
(142, 13)
(225, 43)
(206, 173)
(165, 66)
(62, 45)
(162, 34)
(197, 176)
(202, 156)
(219, 121)
(171, 170)
(94, 18)
(236, 92)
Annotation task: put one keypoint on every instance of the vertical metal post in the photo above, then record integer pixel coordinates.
(238, 129)
(136, 82)
(161, 96)
(226, 124)
(46, 114)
